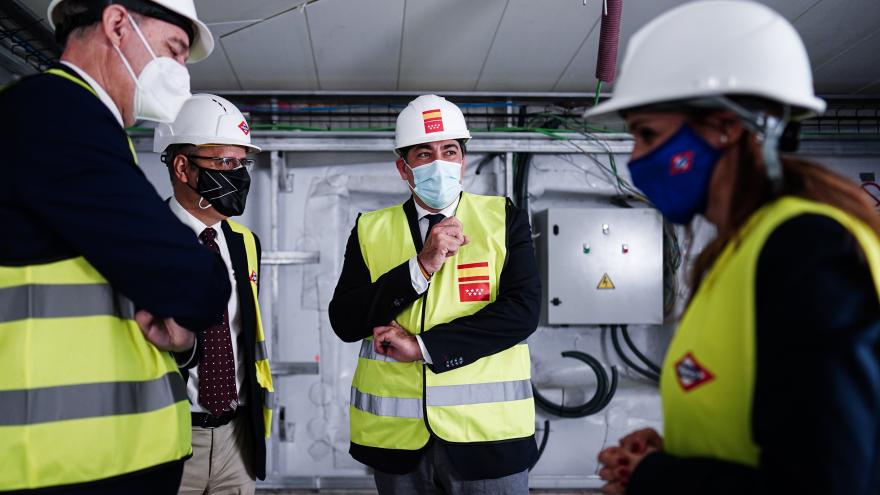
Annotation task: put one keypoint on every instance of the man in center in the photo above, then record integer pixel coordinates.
(228, 380)
(442, 291)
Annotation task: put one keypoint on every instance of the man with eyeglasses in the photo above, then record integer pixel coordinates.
(228, 380)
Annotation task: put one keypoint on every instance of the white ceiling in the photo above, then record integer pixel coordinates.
(478, 45)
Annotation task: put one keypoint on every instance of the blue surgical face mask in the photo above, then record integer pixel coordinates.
(675, 176)
(437, 183)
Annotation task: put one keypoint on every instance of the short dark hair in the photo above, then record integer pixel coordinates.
(171, 153)
(402, 152)
(75, 14)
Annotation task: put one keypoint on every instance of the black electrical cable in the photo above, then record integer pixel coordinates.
(601, 398)
(638, 369)
(650, 364)
(543, 443)
(525, 164)
(486, 159)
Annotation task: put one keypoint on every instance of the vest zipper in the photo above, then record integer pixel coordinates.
(425, 366)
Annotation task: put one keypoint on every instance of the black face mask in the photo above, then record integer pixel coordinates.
(225, 190)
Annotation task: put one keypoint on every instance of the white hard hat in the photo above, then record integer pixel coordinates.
(427, 119)
(711, 48)
(203, 42)
(205, 119)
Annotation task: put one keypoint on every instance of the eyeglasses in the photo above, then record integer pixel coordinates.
(227, 163)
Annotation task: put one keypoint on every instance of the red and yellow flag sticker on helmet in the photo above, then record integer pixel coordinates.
(433, 121)
(473, 282)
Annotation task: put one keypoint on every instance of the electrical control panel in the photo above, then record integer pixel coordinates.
(600, 265)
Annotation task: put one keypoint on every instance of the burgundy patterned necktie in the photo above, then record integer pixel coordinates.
(217, 365)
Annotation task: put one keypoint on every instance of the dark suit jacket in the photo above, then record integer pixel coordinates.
(70, 188)
(359, 305)
(253, 409)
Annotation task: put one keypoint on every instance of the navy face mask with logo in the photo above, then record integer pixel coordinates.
(675, 176)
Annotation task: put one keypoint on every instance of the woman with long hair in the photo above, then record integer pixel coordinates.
(771, 383)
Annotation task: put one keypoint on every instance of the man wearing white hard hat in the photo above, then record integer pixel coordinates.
(771, 383)
(228, 380)
(102, 281)
(442, 291)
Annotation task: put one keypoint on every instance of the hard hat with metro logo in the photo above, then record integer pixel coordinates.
(710, 48)
(427, 119)
(202, 42)
(205, 119)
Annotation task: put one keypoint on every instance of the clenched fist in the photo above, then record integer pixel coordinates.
(442, 242)
(395, 342)
(164, 333)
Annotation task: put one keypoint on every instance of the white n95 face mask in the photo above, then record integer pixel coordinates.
(161, 89)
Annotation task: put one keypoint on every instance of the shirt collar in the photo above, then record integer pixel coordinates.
(102, 95)
(189, 220)
(446, 212)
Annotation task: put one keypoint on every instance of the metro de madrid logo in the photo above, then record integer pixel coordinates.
(690, 373)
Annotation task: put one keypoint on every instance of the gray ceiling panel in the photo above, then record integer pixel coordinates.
(792, 9)
(852, 71)
(485, 45)
(834, 26)
(580, 75)
(870, 89)
(445, 43)
(212, 11)
(38, 7)
(535, 43)
(273, 55)
(215, 73)
(357, 47)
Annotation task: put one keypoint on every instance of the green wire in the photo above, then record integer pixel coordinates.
(598, 91)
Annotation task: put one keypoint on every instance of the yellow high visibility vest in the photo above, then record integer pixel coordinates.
(707, 383)
(83, 395)
(395, 405)
(261, 357)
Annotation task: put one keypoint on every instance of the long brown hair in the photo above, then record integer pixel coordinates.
(752, 190)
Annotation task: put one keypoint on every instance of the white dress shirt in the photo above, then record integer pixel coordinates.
(102, 95)
(419, 282)
(192, 385)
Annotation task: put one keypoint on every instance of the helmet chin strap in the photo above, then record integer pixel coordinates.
(769, 129)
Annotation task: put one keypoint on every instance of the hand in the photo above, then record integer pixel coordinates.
(618, 463)
(442, 242)
(164, 333)
(395, 342)
(642, 440)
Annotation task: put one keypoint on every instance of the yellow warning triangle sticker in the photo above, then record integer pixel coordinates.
(605, 283)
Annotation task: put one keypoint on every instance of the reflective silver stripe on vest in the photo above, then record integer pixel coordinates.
(368, 352)
(478, 393)
(268, 399)
(89, 400)
(261, 353)
(62, 301)
(395, 407)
